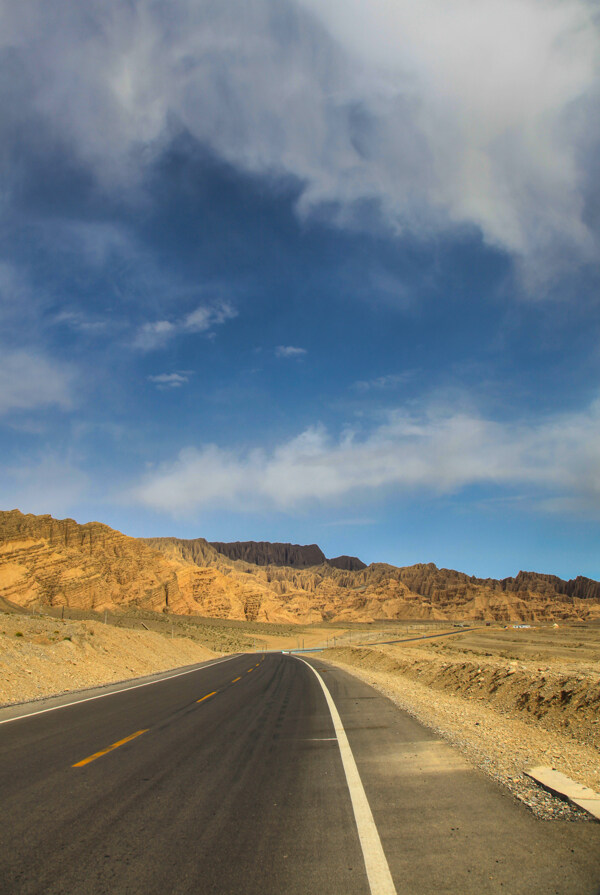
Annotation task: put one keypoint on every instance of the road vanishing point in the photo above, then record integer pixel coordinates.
(262, 773)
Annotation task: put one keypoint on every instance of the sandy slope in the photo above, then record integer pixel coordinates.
(42, 656)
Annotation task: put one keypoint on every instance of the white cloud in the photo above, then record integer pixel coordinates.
(205, 317)
(383, 383)
(289, 351)
(170, 380)
(437, 452)
(158, 333)
(30, 381)
(445, 114)
(154, 335)
(494, 86)
(82, 322)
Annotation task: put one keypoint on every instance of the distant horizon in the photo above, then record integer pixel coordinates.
(328, 554)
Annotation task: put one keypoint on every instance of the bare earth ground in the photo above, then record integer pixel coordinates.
(43, 656)
(510, 699)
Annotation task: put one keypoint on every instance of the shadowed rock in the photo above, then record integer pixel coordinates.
(349, 563)
(263, 553)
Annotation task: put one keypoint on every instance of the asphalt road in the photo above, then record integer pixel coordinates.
(246, 792)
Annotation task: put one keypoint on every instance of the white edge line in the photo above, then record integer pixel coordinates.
(376, 865)
(64, 705)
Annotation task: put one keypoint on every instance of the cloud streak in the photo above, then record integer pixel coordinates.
(384, 383)
(438, 452)
(289, 351)
(170, 380)
(439, 115)
(157, 333)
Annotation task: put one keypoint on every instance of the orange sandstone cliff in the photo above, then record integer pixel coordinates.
(57, 562)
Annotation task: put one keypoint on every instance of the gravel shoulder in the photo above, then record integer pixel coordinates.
(504, 716)
(42, 656)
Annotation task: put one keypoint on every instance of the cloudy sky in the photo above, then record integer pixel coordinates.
(306, 270)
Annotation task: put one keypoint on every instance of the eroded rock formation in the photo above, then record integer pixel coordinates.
(47, 561)
(51, 562)
(295, 556)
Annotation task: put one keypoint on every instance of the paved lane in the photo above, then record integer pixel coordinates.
(229, 779)
(243, 792)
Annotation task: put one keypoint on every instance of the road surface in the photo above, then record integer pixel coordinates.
(230, 779)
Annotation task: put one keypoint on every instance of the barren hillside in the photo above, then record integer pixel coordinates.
(347, 591)
(56, 562)
(50, 562)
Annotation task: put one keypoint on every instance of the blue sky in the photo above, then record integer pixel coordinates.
(312, 272)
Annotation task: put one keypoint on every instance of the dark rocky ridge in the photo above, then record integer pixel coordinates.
(263, 553)
(347, 563)
(296, 556)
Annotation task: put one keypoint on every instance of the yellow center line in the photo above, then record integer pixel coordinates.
(208, 695)
(108, 749)
(236, 679)
(249, 670)
(257, 664)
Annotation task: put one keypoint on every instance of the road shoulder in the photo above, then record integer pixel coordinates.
(502, 747)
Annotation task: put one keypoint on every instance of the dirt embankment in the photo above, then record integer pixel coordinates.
(42, 656)
(507, 714)
(557, 700)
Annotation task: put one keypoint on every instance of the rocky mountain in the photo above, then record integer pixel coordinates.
(533, 582)
(295, 556)
(49, 561)
(429, 581)
(57, 562)
(263, 553)
(53, 562)
(348, 563)
(347, 589)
